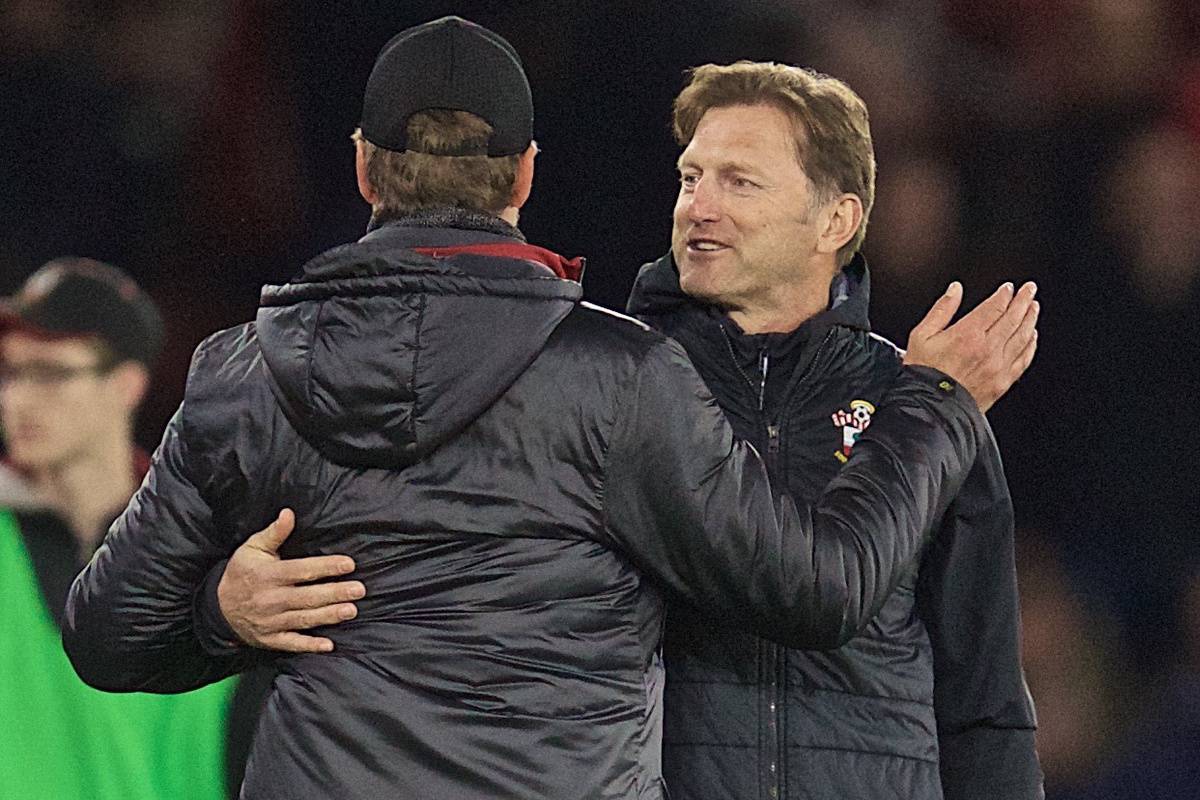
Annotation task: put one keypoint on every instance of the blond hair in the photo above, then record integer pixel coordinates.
(833, 134)
(423, 176)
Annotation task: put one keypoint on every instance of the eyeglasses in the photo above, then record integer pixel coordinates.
(46, 376)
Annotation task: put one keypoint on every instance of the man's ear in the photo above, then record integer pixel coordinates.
(523, 185)
(842, 216)
(360, 170)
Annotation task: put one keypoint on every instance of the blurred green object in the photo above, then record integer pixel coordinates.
(63, 740)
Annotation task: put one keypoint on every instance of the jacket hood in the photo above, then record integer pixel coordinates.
(383, 349)
(656, 292)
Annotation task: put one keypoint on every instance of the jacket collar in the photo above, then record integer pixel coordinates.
(446, 232)
(448, 217)
(656, 292)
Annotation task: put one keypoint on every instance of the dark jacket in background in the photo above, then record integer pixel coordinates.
(934, 679)
(516, 474)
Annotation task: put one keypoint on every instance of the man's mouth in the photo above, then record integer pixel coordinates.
(701, 244)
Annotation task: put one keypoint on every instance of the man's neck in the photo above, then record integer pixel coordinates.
(88, 491)
(786, 309)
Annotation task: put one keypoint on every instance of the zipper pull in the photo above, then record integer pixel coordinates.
(773, 438)
(763, 363)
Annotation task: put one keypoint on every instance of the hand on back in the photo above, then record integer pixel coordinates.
(268, 600)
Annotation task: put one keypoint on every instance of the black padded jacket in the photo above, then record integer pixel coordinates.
(519, 476)
(929, 701)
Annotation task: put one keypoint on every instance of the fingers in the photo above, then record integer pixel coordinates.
(1017, 366)
(1012, 317)
(1026, 358)
(292, 642)
(318, 596)
(1026, 330)
(940, 313)
(272, 537)
(987, 313)
(313, 568)
(314, 617)
(266, 626)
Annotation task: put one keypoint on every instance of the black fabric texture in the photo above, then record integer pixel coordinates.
(519, 477)
(929, 700)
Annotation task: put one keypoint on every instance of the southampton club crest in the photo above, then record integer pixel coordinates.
(852, 423)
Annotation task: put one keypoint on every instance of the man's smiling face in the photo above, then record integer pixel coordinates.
(745, 222)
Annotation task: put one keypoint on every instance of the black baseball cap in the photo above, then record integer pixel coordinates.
(81, 297)
(449, 63)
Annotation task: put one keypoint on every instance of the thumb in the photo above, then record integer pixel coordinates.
(270, 538)
(940, 314)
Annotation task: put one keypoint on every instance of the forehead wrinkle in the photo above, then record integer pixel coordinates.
(721, 167)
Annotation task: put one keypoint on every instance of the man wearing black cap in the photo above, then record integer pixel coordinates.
(76, 345)
(515, 477)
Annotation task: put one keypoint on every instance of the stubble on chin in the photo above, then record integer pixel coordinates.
(695, 283)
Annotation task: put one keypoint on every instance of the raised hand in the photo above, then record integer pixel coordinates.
(988, 349)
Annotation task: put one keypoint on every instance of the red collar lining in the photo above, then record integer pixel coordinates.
(568, 268)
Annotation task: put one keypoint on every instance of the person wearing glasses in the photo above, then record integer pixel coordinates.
(76, 346)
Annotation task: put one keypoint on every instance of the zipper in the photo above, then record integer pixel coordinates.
(764, 362)
(773, 657)
(773, 437)
(770, 654)
(776, 656)
(812, 364)
(764, 365)
(738, 365)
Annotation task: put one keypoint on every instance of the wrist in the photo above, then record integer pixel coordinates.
(216, 636)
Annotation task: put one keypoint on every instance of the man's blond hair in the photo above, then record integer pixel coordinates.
(833, 135)
(422, 177)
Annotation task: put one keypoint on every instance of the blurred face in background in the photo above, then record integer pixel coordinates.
(746, 221)
(59, 400)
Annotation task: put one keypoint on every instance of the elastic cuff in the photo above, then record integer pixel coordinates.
(216, 637)
(943, 384)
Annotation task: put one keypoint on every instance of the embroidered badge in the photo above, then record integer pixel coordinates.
(852, 423)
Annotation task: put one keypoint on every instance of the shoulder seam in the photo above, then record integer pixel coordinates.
(615, 314)
(900, 351)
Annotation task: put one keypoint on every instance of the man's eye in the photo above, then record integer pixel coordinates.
(689, 180)
(744, 183)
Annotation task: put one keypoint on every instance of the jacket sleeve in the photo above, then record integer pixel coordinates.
(129, 618)
(692, 507)
(967, 598)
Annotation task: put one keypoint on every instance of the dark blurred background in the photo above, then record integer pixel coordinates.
(205, 148)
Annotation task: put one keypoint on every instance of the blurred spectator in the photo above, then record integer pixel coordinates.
(75, 348)
(1151, 204)
(1161, 759)
(1072, 672)
(915, 233)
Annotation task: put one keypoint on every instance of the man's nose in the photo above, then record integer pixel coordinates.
(705, 202)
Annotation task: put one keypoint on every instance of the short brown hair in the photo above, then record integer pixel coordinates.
(833, 134)
(421, 177)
